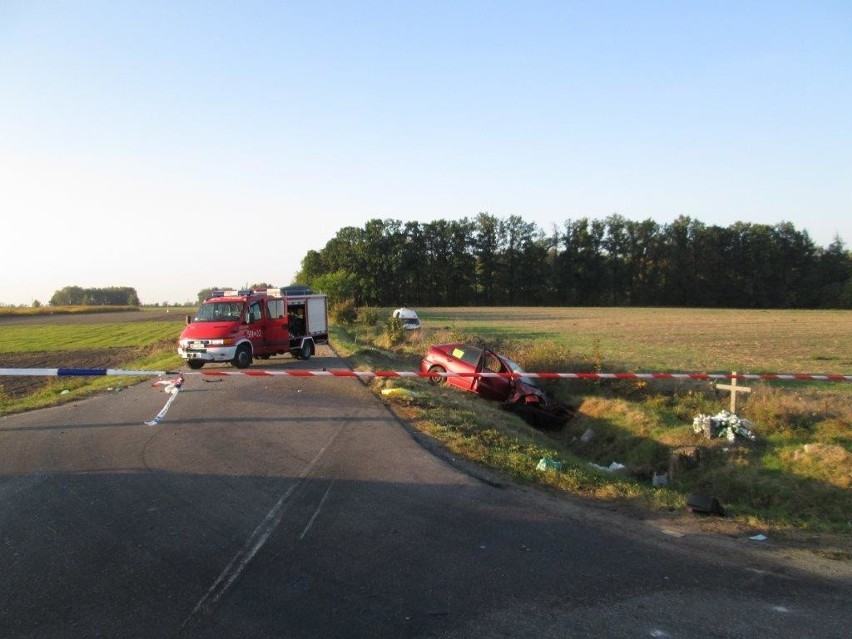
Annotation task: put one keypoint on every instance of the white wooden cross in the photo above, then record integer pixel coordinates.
(734, 390)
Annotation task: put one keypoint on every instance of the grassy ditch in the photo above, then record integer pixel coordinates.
(795, 478)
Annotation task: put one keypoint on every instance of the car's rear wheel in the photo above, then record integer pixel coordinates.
(436, 375)
(307, 350)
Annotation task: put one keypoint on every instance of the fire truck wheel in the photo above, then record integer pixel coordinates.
(307, 350)
(243, 357)
(195, 364)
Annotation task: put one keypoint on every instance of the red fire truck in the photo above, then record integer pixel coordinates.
(238, 326)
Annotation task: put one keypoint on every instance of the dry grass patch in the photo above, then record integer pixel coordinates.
(828, 463)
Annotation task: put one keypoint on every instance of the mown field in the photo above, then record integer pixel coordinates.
(671, 340)
(795, 479)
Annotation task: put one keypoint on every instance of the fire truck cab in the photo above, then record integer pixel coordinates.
(239, 326)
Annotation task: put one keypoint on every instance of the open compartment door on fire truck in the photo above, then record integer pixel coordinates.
(317, 318)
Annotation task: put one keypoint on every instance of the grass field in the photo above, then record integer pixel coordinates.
(84, 337)
(700, 340)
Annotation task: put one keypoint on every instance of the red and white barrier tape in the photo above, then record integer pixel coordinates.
(90, 372)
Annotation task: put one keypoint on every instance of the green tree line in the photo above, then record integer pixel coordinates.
(490, 261)
(110, 296)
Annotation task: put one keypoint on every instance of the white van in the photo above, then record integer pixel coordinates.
(408, 318)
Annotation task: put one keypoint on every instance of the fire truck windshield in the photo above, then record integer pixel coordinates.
(219, 312)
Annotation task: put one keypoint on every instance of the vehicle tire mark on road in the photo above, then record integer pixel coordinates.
(257, 539)
(316, 512)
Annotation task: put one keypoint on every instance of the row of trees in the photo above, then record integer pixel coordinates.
(587, 262)
(110, 296)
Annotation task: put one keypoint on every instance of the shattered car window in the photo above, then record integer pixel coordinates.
(516, 368)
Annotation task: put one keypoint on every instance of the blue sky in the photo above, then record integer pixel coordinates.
(173, 146)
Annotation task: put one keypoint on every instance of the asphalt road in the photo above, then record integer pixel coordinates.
(301, 507)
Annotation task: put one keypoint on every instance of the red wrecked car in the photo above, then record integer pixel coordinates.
(515, 391)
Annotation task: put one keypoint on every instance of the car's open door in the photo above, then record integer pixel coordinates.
(494, 388)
